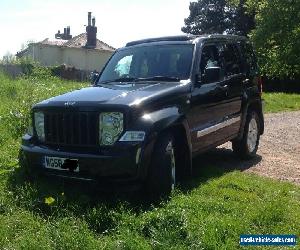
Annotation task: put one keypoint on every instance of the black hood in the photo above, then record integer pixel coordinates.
(119, 94)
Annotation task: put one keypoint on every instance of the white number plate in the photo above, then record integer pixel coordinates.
(59, 163)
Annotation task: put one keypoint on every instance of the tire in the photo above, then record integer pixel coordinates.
(246, 148)
(161, 177)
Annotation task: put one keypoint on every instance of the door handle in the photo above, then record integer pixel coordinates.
(224, 86)
(246, 81)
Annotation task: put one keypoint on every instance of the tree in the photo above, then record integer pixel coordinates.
(243, 19)
(222, 16)
(277, 37)
(8, 58)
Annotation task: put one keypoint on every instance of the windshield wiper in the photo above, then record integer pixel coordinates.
(158, 78)
(141, 79)
(124, 79)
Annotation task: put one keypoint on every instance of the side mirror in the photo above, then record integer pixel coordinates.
(93, 77)
(198, 79)
(211, 74)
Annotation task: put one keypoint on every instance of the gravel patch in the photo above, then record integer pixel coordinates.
(278, 155)
(280, 147)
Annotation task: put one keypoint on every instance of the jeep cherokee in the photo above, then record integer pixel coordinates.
(156, 104)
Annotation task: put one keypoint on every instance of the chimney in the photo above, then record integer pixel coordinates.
(89, 18)
(66, 35)
(91, 32)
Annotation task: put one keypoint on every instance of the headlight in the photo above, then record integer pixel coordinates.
(110, 127)
(30, 127)
(39, 125)
(133, 136)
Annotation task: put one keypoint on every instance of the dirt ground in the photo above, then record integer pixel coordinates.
(278, 155)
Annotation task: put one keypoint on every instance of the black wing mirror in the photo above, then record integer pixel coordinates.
(211, 74)
(94, 77)
(198, 79)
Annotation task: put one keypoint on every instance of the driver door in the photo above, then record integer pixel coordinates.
(208, 101)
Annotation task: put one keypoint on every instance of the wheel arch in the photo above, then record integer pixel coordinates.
(254, 105)
(172, 120)
(183, 146)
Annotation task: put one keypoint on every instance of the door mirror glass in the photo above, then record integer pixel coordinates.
(198, 79)
(93, 77)
(211, 74)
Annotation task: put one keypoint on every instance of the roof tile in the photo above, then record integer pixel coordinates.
(77, 42)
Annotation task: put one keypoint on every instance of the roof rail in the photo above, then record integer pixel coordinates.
(187, 37)
(227, 36)
(161, 39)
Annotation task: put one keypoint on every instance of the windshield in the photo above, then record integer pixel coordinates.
(160, 62)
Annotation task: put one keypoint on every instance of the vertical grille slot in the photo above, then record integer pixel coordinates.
(71, 129)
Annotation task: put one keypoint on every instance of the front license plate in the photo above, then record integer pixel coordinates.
(61, 163)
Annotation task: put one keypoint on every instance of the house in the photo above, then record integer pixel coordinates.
(84, 52)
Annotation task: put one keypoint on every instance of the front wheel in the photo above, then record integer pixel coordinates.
(162, 173)
(247, 147)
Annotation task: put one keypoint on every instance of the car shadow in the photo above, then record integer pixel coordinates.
(215, 163)
(32, 193)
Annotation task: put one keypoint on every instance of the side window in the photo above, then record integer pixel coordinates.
(232, 61)
(209, 58)
(250, 62)
(211, 65)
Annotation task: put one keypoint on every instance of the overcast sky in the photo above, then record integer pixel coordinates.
(118, 21)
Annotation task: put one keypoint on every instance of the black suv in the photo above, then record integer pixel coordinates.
(156, 104)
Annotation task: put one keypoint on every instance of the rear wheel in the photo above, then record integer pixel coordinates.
(246, 148)
(162, 173)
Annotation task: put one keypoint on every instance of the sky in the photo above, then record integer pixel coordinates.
(118, 21)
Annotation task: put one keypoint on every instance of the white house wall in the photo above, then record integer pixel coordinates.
(85, 59)
(80, 58)
(50, 55)
(45, 55)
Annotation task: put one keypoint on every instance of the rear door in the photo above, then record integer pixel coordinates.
(234, 78)
(249, 61)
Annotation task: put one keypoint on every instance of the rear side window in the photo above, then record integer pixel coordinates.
(250, 62)
(232, 61)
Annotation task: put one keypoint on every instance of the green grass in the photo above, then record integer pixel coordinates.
(278, 102)
(209, 211)
(17, 98)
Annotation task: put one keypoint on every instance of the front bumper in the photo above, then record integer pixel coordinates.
(127, 165)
